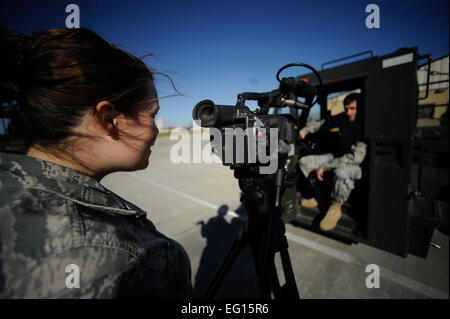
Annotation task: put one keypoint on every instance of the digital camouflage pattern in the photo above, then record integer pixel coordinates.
(344, 173)
(354, 158)
(313, 126)
(345, 168)
(344, 182)
(52, 216)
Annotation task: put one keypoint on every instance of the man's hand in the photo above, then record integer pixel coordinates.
(302, 134)
(319, 173)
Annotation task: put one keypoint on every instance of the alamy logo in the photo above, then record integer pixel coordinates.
(373, 19)
(73, 19)
(233, 145)
(73, 279)
(373, 279)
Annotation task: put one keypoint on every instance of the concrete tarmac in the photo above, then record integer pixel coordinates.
(198, 204)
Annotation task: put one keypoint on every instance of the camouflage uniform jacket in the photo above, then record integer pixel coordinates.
(52, 217)
(354, 157)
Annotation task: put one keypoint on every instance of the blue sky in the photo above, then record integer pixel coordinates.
(217, 49)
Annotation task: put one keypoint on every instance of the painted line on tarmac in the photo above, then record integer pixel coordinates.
(393, 276)
(230, 213)
(349, 259)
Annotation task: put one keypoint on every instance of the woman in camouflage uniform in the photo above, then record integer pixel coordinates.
(87, 109)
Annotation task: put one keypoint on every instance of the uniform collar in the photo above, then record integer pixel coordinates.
(65, 182)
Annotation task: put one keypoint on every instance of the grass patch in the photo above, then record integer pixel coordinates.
(168, 133)
(163, 134)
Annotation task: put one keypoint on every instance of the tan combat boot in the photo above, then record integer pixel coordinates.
(309, 203)
(332, 217)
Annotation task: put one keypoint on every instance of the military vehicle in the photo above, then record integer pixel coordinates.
(403, 194)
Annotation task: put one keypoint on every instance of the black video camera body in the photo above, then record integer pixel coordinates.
(241, 137)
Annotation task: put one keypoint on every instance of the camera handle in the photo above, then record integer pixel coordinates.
(266, 235)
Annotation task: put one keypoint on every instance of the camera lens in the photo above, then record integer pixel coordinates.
(205, 111)
(207, 114)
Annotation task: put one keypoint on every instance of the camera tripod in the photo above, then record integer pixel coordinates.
(265, 233)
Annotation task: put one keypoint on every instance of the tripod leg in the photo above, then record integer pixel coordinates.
(276, 284)
(238, 244)
(268, 265)
(266, 282)
(272, 284)
(291, 286)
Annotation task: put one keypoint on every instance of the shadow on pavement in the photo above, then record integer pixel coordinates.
(241, 281)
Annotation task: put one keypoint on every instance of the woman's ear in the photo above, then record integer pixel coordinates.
(105, 115)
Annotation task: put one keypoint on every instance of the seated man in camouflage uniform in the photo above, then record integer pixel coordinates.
(344, 161)
(87, 109)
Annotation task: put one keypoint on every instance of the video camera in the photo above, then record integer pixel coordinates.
(243, 137)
